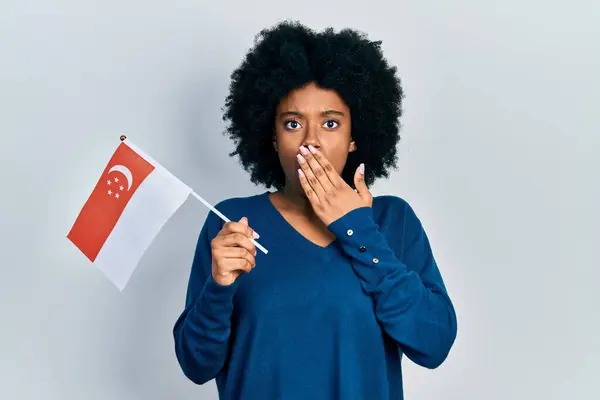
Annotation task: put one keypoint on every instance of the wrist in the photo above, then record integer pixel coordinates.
(220, 290)
(221, 280)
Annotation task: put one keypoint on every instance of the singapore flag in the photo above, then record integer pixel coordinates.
(134, 197)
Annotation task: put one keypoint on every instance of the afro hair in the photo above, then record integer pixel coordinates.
(289, 56)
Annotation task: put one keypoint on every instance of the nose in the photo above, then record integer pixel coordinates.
(311, 137)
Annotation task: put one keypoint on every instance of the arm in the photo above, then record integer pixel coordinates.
(411, 302)
(202, 331)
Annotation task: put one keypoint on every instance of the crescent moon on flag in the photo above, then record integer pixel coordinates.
(125, 171)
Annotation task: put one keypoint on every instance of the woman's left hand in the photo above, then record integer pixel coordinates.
(330, 196)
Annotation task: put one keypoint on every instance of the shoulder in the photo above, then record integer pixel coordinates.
(390, 207)
(234, 208)
(396, 216)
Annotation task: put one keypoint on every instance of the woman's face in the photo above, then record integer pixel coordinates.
(312, 116)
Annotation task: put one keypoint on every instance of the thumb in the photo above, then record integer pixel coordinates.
(244, 221)
(359, 181)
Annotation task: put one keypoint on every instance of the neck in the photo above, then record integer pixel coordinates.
(297, 202)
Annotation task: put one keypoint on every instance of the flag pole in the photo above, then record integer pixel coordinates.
(224, 218)
(213, 209)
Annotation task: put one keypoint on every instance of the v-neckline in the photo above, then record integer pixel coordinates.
(300, 240)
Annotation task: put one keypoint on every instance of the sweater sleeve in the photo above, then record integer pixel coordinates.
(411, 301)
(202, 330)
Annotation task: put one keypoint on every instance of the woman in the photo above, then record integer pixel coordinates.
(350, 283)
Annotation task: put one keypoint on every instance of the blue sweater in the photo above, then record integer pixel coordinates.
(312, 322)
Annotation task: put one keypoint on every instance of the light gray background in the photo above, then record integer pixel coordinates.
(499, 158)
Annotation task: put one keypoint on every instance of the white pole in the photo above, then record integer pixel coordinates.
(224, 218)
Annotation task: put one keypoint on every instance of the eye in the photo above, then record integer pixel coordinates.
(331, 124)
(292, 124)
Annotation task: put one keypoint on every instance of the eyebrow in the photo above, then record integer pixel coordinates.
(323, 113)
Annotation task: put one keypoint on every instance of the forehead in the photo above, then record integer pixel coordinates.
(311, 99)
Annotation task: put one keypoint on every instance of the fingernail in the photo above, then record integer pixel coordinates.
(303, 150)
(312, 149)
(255, 253)
(301, 159)
(255, 235)
(361, 168)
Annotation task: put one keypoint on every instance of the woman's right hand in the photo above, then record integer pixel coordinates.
(232, 252)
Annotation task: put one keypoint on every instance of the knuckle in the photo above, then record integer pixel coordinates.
(239, 237)
(312, 180)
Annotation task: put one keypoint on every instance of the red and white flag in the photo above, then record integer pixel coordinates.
(131, 202)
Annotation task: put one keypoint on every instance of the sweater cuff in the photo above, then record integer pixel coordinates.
(357, 220)
(361, 240)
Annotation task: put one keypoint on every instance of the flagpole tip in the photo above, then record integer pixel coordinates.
(123, 137)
